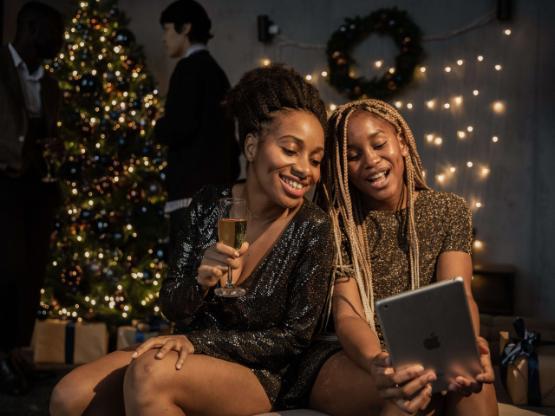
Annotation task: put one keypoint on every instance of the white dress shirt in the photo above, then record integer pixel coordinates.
(30, 83)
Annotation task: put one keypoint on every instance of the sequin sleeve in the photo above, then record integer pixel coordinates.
(458, 235)
(273, 347)
(181, 296)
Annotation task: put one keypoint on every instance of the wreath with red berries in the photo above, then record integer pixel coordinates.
(385, 22)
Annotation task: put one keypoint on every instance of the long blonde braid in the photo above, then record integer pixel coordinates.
(345, 205)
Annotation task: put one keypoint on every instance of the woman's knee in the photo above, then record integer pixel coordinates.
(147, 378)
(69, 396)
(343, 388)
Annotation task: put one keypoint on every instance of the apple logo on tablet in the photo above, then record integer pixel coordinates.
(432, 342)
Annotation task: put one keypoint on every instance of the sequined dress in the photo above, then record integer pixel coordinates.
(443, 223)
(274, 322)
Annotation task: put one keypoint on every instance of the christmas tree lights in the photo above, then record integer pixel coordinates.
(108, 252)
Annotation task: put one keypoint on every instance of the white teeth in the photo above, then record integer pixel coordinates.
(293, 184)
(377, 176)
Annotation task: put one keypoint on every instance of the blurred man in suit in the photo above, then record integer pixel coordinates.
(29, 104)
(201, 145)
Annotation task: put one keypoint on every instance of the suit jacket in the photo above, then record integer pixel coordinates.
(14, 120)
(202, 148)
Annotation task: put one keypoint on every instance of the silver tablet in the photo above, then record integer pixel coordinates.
(431, 326)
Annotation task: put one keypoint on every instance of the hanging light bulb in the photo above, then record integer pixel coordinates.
(498, 107)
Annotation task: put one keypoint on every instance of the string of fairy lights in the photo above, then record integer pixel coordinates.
(453, 105)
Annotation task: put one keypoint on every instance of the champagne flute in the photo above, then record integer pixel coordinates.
(232, 231)
(49, 155)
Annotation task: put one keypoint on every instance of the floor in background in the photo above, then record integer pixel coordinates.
(35, 403)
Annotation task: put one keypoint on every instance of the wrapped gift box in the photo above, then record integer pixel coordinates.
(128, 336)
(67, 342)
(517, 375)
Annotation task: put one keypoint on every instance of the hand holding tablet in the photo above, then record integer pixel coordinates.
(431, 327)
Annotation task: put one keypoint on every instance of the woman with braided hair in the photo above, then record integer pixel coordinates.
(394, 234)
(231, 356)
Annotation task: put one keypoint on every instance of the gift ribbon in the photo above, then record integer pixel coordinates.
(70, 342)
(139, 336)
(524, 347)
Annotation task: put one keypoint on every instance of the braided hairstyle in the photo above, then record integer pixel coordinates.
(344, 203)
(263, 91)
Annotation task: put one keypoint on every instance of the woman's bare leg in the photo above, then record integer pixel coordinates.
(95, 388)
(344, 389)
(203, 386)
(483, 403)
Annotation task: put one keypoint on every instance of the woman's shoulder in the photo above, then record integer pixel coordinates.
(209, 195)
(440, 199)
(312, 213)
(444, 208)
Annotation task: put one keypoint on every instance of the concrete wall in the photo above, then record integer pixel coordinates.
(517, 220)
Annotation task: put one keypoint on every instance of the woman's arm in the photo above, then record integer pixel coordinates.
(408, 388)
(453, 264)
(181, 295)
(360, 343)
(455, 261)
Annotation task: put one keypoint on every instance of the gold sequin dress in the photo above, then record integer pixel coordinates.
(285, 294)
(443, 223)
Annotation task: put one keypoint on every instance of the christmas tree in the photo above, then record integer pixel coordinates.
(108, 247)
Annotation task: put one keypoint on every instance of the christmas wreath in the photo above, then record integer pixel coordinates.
(392, 22)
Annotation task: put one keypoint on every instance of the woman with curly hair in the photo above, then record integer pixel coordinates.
(231, 356)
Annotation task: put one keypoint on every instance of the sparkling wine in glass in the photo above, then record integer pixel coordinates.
(232, 231)
(49, 156)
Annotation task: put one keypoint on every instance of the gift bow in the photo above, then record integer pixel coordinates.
(524, 346)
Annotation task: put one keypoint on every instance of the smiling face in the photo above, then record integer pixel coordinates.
(176, 43)
(284, 158)
(375, 154)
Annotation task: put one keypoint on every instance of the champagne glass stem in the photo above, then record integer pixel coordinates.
(229, 277)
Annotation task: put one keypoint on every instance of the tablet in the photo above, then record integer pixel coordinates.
(431, 326)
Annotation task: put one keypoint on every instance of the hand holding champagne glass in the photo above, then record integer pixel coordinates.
(232, 231)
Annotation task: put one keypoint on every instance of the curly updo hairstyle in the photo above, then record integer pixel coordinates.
(263, 91)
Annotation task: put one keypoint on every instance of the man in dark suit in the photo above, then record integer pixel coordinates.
(201, 145)
(29, 103)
